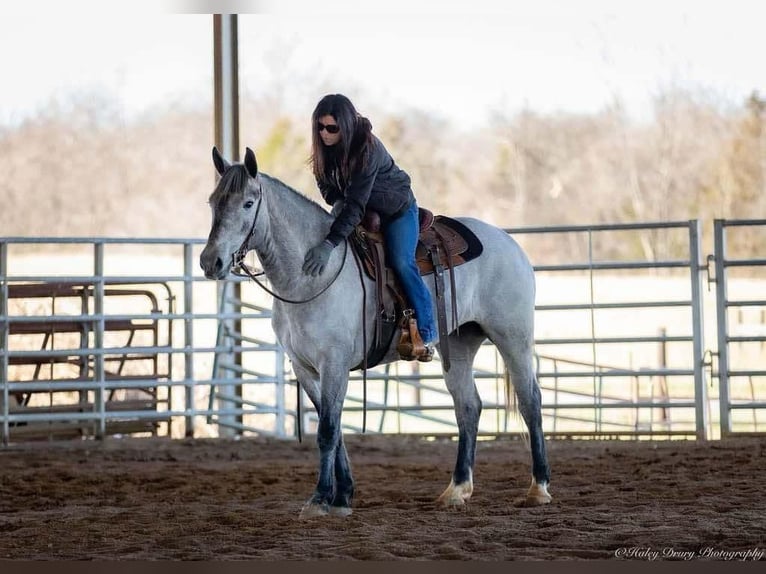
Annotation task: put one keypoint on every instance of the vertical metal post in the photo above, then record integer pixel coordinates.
(188, 342)
(226, 96)
(695, 271)
(281, 388)
(591, 292)
(99, 370)
(662, 380)
(4, 337)
(226, 71)
(722, 324)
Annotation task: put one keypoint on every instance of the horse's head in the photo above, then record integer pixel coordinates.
(235, 203)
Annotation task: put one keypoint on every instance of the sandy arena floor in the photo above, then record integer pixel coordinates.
(239, 500)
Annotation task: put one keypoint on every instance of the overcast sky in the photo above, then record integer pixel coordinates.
(460, 60)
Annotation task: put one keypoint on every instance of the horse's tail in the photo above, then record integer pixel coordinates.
(512, 405)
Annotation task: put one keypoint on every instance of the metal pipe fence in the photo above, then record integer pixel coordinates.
(620, 344)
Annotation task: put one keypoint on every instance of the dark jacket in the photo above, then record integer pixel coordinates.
(382, 186)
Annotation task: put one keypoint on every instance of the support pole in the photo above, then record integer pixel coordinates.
(226, 78)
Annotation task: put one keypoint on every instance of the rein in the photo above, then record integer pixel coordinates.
(242, 269)
(359, 266)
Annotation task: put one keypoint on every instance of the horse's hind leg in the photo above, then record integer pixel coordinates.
(530, 406)
(462, 387)
(517, 354)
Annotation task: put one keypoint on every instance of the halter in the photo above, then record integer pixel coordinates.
(242, 269)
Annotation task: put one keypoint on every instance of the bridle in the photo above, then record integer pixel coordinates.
(242, 269)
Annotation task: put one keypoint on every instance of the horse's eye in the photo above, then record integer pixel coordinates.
(249, 203)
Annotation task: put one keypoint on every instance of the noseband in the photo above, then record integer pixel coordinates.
(242, 269)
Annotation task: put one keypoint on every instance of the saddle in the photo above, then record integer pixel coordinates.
(443, 243)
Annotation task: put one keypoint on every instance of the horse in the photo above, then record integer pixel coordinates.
(319, 321)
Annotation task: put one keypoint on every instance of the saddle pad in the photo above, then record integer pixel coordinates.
(453, 238)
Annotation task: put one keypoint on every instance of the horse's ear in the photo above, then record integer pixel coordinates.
(250, 164)
(220, 163)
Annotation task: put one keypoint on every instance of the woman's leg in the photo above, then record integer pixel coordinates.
(401, 236)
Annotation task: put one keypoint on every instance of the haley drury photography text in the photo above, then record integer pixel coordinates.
(705, 553)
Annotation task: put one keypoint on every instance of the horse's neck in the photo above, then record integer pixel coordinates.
(293, 226)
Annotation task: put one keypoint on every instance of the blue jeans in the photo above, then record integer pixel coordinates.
(401, 237)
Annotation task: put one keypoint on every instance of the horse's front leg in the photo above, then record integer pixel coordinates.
(344, 482)
(344, 488)
(331, 496)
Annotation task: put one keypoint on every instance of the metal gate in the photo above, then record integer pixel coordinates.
(103, 337)
(741, 327)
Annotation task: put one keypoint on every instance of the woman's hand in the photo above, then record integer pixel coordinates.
(317, 258)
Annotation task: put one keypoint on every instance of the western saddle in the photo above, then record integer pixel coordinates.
(443, 243)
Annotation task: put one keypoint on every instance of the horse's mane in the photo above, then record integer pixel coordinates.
(235, 178)
(274, 182)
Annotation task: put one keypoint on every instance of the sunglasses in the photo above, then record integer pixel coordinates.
(331, 128)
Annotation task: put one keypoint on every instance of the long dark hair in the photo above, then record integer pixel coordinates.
(351, 153)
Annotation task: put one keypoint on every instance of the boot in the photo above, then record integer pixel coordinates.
(411, 346)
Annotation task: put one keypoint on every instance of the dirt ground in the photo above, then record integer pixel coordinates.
(239, 500)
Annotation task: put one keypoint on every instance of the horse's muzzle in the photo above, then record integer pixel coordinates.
(212, 265)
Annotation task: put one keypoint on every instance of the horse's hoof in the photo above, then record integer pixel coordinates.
(451, 502)
(314, 510)
(531, 501)
(456, 496)
(342, 511)
(537, 495)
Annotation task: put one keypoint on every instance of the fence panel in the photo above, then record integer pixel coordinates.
(106, 336)
(741, 326)
(619, 344)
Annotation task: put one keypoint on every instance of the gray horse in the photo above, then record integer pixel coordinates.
(319, 321)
